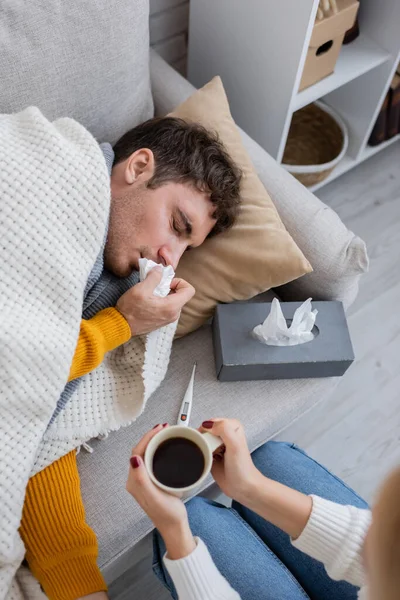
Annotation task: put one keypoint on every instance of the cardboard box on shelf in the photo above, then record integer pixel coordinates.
(326, 42)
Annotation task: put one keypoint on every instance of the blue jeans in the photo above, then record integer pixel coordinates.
(255, 557)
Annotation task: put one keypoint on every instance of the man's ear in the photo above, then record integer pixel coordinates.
(139, 166)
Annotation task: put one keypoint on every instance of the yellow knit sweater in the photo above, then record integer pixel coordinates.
(61, 549)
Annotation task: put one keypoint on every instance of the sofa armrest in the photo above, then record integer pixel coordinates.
(337, 256)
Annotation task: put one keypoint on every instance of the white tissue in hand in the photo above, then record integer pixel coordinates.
(275, 331)
(164, 287)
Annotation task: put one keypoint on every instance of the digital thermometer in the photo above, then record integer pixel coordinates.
(186, 408)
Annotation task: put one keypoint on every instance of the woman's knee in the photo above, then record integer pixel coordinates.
(286, 463)
(290, 465)
(272, 457)
(199, 506)
(203, 514)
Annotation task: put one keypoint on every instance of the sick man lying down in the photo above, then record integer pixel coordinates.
(172, 185)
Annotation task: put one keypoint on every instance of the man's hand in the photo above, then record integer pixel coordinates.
(146, 312)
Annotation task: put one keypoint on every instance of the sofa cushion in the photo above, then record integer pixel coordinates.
(257, 253)
(338, 256)
(265, 408)
(86, 60)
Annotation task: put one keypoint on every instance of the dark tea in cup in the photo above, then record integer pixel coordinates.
(178, 459)
(178, 462)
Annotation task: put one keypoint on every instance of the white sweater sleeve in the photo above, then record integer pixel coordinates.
(197, 578)
(335, 536)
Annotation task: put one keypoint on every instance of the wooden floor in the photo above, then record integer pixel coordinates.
(356, 433)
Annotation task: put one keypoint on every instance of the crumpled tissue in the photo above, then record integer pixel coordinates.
(164, 287)
(275, 331)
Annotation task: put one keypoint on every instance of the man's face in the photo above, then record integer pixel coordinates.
(159, 224)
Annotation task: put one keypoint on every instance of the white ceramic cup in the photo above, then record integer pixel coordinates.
(207, 443)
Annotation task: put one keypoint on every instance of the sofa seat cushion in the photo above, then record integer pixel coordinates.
(86, 60)
(265, 408)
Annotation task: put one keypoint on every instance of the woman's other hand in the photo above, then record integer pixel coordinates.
(167, 512)
(233, 470)
(236, 475)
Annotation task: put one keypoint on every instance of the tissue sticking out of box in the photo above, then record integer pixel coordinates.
(164, 287)
(276, 332)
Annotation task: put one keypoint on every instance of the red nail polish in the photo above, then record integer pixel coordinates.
(135, 462)
(207, 424)
(155, 426)
(165, 424)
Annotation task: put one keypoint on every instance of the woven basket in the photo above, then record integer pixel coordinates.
(316, 143)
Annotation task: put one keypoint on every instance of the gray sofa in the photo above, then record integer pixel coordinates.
(91, 61)
(265, 407)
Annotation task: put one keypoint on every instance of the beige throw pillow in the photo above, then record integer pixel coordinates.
(257, 253)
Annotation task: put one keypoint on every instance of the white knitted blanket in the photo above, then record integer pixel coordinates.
(55, 197)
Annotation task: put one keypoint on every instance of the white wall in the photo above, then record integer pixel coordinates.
(168, 31)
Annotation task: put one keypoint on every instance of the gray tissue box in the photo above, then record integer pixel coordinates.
(240, 357)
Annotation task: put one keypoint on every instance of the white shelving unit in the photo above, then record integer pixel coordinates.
(259, 47)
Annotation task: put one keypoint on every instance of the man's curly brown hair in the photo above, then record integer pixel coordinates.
(188, 153)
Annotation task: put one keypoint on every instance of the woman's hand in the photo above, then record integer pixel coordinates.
(233, 470)
(167, 512)
(236, 475)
